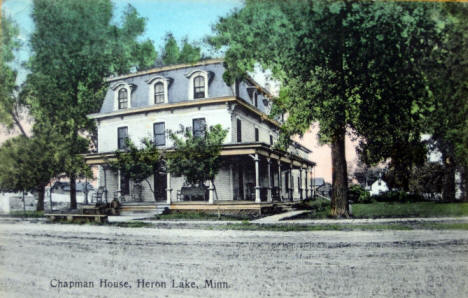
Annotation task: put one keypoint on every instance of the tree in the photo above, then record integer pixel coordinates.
(29, 164)
(335, 60)
(197, 158)
(10, 104)
(173, 54)
(75, 47)
(138, 164)
(448, 72)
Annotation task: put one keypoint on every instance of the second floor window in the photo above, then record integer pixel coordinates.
(256, 99)
(199, 127)
(123, 98)
(122, 136)
(199, 87)
(159, 93)
(256, 135)
(271, 140)
(239, 131)
(159, 134)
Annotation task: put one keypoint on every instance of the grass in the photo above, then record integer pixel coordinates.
(415, 209)
(246, 226)
(30, 214)
(189, 215)
(321, 209)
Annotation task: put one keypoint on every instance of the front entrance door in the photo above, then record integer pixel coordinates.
(160, 185)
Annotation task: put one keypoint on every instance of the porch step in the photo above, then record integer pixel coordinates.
(143, 211)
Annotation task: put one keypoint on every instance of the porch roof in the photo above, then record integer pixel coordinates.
(227, 150)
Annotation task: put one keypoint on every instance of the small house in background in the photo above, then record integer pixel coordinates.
(378, 187)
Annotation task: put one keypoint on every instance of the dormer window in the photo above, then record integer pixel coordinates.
(199, 87)
(123, 98)
(158, 89)
(256, 99)
(198, 83)
(122, 95)
(159, 92)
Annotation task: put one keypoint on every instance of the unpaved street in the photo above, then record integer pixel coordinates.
(44, 260)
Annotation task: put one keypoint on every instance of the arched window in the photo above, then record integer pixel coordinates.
(199, 87)
(159, 92)
(123, 98)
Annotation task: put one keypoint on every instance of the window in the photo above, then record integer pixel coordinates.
(159, 130)
(123, 98)
(199, 87)
(122, 135)
(124, 185)
(256, 99)
(239, 131)
(199, 127)
(271, 140)
(159, 92)
(256, 134)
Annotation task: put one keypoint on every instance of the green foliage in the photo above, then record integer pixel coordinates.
(347, 65)
(10, 105)
(75, 47)
(357, 194)
(413, 209)
(29, 163)
(197, 158)
(427, 179)
(136, 163)
(173, 53)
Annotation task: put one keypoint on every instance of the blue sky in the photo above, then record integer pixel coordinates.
(184, 18)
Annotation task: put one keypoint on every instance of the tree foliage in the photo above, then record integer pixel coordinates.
(185, 53)
(138, 164)
(196, 158)
(347, 65)
(10, 105)
(75, 47)
(28, 164)
(448, 73)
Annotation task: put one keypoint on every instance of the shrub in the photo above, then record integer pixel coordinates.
(398, 196)
(357, 194)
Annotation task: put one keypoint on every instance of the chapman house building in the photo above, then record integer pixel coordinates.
(149, 103)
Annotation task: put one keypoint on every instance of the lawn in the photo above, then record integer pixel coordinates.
(321, 209)
(414, 209)
(246, 226)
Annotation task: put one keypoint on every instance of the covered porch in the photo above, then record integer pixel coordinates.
(252, 174)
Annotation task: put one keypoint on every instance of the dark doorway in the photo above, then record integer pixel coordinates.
(160, 185)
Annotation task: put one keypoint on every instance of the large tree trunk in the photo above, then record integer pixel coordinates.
(339, 200)
(448, 188)
(40, 199)
(72, 191)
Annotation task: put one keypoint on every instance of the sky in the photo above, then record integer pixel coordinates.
(184, 18)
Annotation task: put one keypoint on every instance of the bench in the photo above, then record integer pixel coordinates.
(74, 216)
(191, 192)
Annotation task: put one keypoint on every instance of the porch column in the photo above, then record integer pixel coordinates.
(279, 179)
(290, 190)
(312, 183)
(299, 184)
(169, 189)
(257, 178)
(119, 183)
(269, 197)
(306, 184)
(211, 193)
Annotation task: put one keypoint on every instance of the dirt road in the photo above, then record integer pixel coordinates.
(53, 260)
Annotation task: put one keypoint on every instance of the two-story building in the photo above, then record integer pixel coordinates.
(150, 103)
